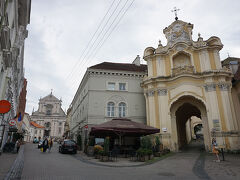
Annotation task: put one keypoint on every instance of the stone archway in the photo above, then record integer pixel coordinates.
(182, 110)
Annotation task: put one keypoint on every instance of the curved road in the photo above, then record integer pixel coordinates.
(53, 165)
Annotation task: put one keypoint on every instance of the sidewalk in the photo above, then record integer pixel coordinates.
(228, 169)
(120, 162)
(6, 162)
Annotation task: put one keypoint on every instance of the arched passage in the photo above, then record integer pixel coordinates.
(182, 110)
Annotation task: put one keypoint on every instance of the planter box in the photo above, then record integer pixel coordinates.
(104, 158)
(97, 156)
(144, 158)
(150, 157)
(157, 154)
(90, 150)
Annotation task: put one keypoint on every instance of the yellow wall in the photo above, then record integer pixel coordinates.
(212, 60)
(196, 61)
(167, 66)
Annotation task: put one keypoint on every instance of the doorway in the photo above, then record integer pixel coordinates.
(189, 121)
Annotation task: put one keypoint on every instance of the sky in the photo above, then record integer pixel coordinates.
(67, 36)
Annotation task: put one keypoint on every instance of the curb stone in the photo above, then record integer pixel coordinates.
(16, 170)
(117, 166)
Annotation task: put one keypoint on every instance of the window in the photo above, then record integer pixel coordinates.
(111, 86)
(122, 86)
(59, 130)
(35, 132)
(122, 109)
(48, 112)
(47, 125)
(60, 123)
(110, 109)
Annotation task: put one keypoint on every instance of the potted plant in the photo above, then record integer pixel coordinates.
(145, 151)
(149, 152)
(97, 150)
(104, 154)
(90, 148)
(157, 147)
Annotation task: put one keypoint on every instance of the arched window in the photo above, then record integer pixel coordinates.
(110, 109)
(122, 109)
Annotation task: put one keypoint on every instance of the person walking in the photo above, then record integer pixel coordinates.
(45, 144)
(50, 143)
(214, 149)
(18, 144)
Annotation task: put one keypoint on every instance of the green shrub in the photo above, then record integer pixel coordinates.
(106, 145)
(146, 142)
(158, 143)
(144, 152)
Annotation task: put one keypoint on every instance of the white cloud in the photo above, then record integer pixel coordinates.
(60, 30)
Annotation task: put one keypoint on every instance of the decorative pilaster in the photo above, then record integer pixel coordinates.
(150, 93)
(224, 87)
(162, 92)
(210, 87)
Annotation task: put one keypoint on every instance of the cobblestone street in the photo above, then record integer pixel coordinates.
(186, 165)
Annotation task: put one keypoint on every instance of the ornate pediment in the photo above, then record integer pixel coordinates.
(178, 31)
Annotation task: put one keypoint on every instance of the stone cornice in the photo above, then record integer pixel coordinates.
(205, 74)
(116, 73)
(212, 43)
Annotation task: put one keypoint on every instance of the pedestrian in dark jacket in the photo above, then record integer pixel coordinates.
(18, 144)
(45, 144)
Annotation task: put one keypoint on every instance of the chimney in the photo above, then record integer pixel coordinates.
(136, 61)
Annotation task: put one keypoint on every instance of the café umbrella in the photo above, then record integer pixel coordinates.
(122, 127)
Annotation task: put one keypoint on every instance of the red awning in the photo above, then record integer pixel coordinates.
(123, 127)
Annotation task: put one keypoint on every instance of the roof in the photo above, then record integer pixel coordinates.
(229, 59)
(122, 126)
(50, 97)
(120, 66)
(36, 124)
(237, 74)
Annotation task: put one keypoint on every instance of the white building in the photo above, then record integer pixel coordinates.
(36, 130)
(26, 127)
(108, 90)
(14, 18)
(51, 116)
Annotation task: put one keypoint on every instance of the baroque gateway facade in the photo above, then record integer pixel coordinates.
(51, 116)
(186, 79)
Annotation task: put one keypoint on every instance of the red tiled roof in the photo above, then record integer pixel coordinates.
(36, 125)
(120, 66)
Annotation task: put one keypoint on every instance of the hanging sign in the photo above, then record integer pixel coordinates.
(5, 106)
(164, 129)
(12, 122)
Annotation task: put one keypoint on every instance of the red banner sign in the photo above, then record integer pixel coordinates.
(5, 106)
